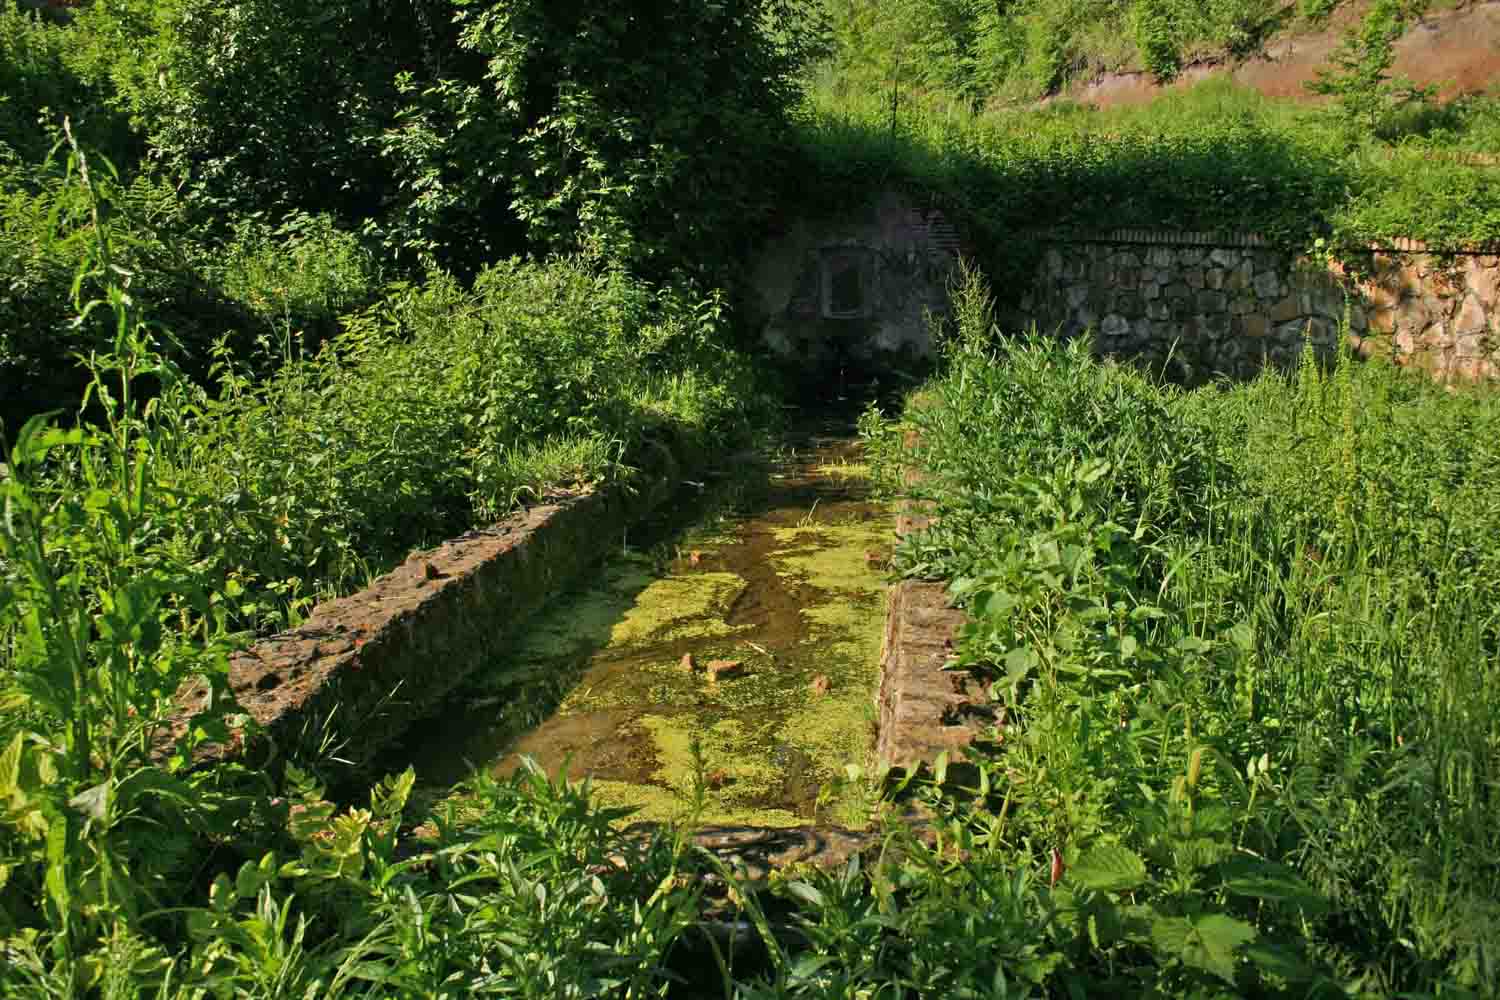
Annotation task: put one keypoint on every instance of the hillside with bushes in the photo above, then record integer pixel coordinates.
(995, 55)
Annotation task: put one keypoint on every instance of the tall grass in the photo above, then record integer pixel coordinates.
(1246, 639)
(137, 551)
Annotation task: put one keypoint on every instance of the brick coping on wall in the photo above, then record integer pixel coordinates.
(1244, 241)
(923, 710)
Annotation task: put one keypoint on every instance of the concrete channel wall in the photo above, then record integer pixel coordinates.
(363, 668)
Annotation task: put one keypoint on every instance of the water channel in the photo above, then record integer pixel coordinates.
(731, 664)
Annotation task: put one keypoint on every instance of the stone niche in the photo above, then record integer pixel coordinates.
(859, 288)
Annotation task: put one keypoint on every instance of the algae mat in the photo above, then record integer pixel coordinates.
(790, 584)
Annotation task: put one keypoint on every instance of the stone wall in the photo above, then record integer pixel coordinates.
(1199, 305)
(857, 287)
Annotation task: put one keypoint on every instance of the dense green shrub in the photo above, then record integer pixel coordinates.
(1365, 94)
(138, 550)
(1215, 157)
(645, 135)
(40, 83)
(264, 106)
(263, 283)
(1242, 641)
(978, 51)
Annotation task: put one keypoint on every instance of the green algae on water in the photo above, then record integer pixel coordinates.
(794, 591)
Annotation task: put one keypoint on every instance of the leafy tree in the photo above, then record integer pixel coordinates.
(1359, 78)
(644, 133)
(266, 105)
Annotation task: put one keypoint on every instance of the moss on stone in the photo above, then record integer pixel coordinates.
(845, 470)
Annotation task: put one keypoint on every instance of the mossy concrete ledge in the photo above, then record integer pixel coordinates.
(363, 668)
(923, 710)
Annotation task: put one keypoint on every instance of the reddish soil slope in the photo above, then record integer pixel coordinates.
(1459, 50)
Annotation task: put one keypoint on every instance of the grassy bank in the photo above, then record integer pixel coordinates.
(1245, 640)
(1215, 157)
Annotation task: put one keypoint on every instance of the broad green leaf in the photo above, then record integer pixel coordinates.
(1276, 883)
(10, 768)
(1280, 960)
(940, 768)
(1206, 942)
(388, 798)
(1109, 868)
(1019, 663)
(805, 893)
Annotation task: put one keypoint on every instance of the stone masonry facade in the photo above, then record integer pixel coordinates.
(1197, 305)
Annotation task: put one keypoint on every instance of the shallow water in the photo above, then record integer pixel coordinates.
(784, 574)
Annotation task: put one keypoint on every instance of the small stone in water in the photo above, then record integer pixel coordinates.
(687, 663)
(821, 684)
(724, 668)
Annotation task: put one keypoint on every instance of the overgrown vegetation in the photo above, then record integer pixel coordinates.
(1243, 643)
(1215, 157)
(275, 164)
(997, 53)
(303, 285)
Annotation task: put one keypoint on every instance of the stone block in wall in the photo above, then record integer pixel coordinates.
(1267, 284)
(1290, 333)
(1211, 301)
(1287, 309)
(1357, 320)
(1321, 332)
(1414, 313)
(1470, 320)
(1254, 326)
(1115, 325)
(1232, 308)
(1267, 260)
(1215, 325)
(1484, 282)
